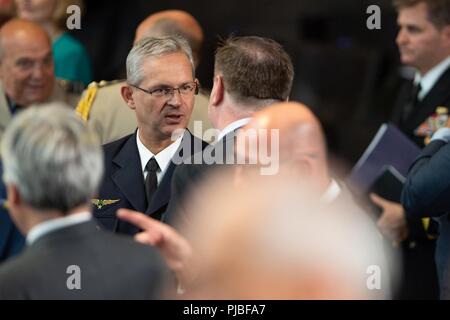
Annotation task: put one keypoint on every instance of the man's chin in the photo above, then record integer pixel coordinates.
(37, 98)
(174, 131)
(407, 60)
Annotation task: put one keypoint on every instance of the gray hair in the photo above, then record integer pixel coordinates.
(154, 47)
(52, 158)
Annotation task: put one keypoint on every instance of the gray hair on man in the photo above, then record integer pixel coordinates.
(154, 47)
(52, 158)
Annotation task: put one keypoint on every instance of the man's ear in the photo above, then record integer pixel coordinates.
(127, 95)
(446, 35)
(14, 198)
(217, 91)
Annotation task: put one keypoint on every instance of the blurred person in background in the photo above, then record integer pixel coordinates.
(52, 168)
(427, 193)
(27, 70)
(423, 41)
(280, 242)
(72, 61)
(6, 10)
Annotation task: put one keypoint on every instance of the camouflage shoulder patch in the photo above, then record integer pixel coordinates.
(100, 203)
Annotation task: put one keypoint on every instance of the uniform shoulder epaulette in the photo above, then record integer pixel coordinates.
(86, 101)
(105, 83)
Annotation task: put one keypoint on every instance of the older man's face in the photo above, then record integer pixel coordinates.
(160, 116)
(27, 70)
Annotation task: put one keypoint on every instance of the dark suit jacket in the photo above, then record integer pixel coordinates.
(439, 95)
(124, 181)
(187, 176)
(11, 240)
(418, 254)
(427, 193)
(112, 267)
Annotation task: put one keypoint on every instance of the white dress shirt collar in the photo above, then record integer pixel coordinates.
(163, 158)
(55, 224)
(428, 80)
(233, 126)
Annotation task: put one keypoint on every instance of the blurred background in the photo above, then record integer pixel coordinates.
(345, 72)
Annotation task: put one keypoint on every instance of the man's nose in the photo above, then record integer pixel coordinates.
(402, 37)
(38, 71)
(175, 98)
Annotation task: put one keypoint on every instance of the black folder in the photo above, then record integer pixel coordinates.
(390, 148)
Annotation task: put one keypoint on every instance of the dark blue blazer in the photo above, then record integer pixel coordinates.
(427, 193)
(11, 240)
(123, 182)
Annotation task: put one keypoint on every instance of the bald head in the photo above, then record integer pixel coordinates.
(20, 32)
(299, 127)
(26, 62)
(302, 145)
(171, 23)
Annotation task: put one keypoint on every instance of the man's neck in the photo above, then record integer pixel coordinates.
(36, 217)
(425, 70)
(153, 143)
(230, 115)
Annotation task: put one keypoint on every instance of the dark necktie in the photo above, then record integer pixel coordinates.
(412, 101)
(151, 181)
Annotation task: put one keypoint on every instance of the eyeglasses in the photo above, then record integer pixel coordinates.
(185, 90)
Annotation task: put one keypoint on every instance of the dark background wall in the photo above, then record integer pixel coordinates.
(346, 73)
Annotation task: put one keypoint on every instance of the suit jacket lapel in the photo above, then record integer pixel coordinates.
(128, 177)
(437, 96)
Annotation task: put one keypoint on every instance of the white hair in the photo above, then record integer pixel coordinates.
(52, 158)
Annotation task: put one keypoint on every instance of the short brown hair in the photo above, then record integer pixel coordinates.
(438, 10)
(255, 67)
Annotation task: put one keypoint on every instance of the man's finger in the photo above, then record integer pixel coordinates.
(378, 200)
(136, 218)
(146, 238)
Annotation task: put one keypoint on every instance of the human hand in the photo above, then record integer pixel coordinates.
(392, 222)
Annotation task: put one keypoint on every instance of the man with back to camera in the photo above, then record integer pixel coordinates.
(52, 168)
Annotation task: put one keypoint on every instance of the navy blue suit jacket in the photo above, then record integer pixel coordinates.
(123, 182)
(11, 240)
(427, 193)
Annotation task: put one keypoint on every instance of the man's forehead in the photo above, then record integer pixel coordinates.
(170, 68)
(419, 11)
(30, 52)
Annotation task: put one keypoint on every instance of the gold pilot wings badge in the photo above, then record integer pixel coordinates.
(100, 203)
